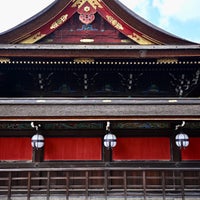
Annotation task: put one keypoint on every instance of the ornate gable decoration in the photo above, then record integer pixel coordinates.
(93, 3)
(87, 11)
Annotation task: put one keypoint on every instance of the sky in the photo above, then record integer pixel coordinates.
(179, 17)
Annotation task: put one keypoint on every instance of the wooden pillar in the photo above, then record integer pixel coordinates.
(175, 151)
(107, 154)
(38, 154)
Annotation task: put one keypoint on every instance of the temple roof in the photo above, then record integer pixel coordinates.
(99, 109)
(93, 21)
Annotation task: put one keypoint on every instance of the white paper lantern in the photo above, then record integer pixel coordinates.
(37, 141)
(110, 140)
(182, 140)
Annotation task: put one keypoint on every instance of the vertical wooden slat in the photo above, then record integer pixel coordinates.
(29, 186)
(199, 179)
(9, 185)
(125, 185)
(105, 184)
(86, 184)
(182, 186)
(173, 177)
(67, 185)
(144, 184)
(163, 185)
(48, 185)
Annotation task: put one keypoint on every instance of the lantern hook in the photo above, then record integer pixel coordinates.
(180, 125)
(35, 126)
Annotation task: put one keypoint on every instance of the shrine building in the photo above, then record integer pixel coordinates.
(96, 102)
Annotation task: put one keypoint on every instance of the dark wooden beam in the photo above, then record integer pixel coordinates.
(99, 51)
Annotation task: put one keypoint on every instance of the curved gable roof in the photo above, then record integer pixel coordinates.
(120, 17)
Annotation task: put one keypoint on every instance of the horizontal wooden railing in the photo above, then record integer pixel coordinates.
(105, 182)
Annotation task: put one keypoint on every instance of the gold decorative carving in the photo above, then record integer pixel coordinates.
(114, 22)
(86, 8)
(93, 3)
(83, 60)
(34, 38)
(59, 21)
(152, 40)
(4, 60)
(126, 41)
(87, 40)
(167, 61)
(139, 39)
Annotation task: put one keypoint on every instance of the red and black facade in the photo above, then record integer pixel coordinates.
(78, 65)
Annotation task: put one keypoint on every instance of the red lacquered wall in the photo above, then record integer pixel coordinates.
(15, 148)
(73, 149)
(142, 148)
(192, 152)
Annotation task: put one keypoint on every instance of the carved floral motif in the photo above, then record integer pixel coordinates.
(139, 39)
(114, 22)
(32, 39)
(87, 14)
(59, 21)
